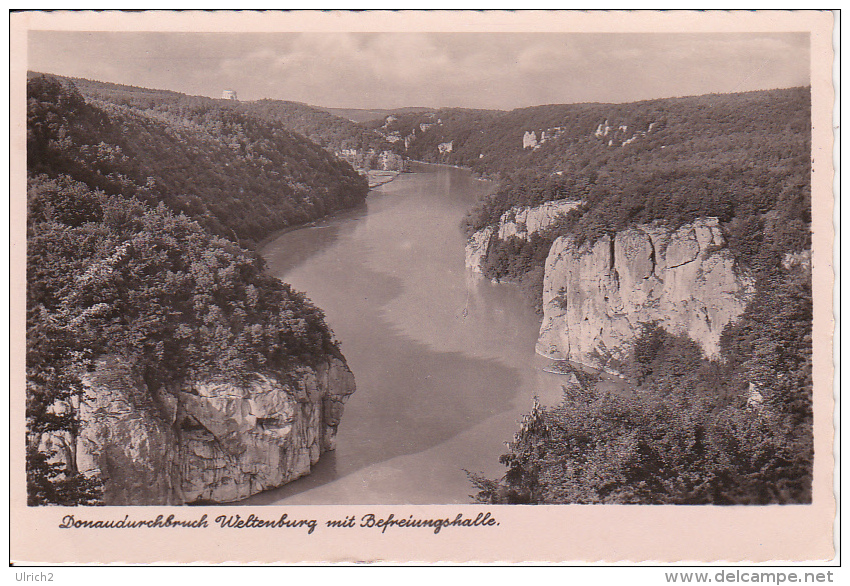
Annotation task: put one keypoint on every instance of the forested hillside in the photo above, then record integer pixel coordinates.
(138, 221)
(325, 129)
(361, 115)
(685, 430)
(743, 158)
(424, 132)
(334, 133)
(109, 275)
(565, 124)
(239, 175)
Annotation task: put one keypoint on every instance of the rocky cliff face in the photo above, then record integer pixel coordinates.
(519, 222)
(523, 222)
(209, 441)
(476, 249)
(371, 159)
(620, 135)
(595, 297)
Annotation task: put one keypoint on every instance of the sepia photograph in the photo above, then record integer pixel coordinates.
(285, 268)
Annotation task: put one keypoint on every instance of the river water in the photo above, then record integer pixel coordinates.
(444, 360)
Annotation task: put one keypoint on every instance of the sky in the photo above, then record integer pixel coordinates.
(393, 70)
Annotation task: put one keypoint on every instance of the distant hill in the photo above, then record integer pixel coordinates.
(549, 138)
(239, 174)
(330, 131)
(105, 89)
(422, 133)
(673, 159)
(743, 158)
(326, 129)
(360, 115)
(137, 203)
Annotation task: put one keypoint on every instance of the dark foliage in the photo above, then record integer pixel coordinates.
(50, 483)
(743, 158)
(156, 288)
(672, 440)
(325, 129)
(464, 128)
(109, 275)
(332, 132)
(240, 176)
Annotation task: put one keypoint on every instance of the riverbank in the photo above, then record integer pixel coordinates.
(475, 175)
(606, 381)
(445, 366)
(377, 178)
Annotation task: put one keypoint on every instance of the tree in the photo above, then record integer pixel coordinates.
(109, 276)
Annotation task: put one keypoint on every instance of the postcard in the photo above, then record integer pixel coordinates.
(446, 286)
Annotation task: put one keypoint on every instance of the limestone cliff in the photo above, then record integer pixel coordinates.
(529, 139)
(210, 440)
(595, 297)
(372, 159)
(519, 222)
(476, 249)
(523, 222)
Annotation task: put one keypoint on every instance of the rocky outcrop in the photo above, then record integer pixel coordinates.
(530, 140)
(127, 437)
(476, 249)
(595, 297)
(372, 159)
(211, 440)
(518, 222)
(620, 135)
(523, 222)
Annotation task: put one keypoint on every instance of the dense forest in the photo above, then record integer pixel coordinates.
(143, 206)
(743, 158)
(427, 130)
(327, 129)
(240, 176)
(137, 223)
(684, 432)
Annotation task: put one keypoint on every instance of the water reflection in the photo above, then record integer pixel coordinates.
(444, 362)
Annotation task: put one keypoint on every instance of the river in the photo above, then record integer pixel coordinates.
(444, 360)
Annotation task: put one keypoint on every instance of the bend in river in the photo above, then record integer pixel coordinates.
(444, 360)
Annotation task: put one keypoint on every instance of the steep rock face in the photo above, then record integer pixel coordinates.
(476, 249)
(126, 437)
(519, 222)
(371, 159)
(595, 297)
(523, 222)
(529, 139)
(211, 440)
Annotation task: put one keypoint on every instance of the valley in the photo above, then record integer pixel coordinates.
(667, 242)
